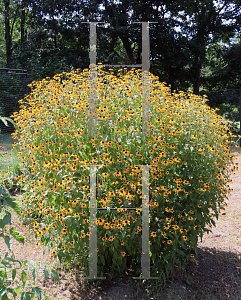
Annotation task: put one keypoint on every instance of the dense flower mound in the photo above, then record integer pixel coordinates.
(187, 153)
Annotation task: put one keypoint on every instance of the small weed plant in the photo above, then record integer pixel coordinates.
(186, 150)
(11, 173)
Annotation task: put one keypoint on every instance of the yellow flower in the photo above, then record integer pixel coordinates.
(39, 233)
(107, 225)
(36, 225)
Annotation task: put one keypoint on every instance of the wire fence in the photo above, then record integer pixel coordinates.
(229, 104)
(13, 87)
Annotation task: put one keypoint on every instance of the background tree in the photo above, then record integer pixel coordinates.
(208, 22)
(8, 37)
(49, 37)
(2, 37)
(223, 66)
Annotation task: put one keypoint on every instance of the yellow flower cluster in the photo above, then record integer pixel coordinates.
(186, 151)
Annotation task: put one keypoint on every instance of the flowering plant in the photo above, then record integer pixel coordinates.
(6, 283)
(187, 165)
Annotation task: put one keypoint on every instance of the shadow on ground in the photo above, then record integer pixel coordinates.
(216, 275)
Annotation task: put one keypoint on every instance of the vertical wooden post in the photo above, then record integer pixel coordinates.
(145, 258)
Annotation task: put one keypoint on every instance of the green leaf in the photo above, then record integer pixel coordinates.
(5, 297)
(8, 242)
(10, 120)
(46, 297)
(189, 280)
(133, 234)
(4, 121)
(10, 258)
(14, 271)
(17, 236)
(102, 259)
(212, 222)
(115, 243)
(18, 289)
(25, 296)
(32, 262)
(3, 275)
(115, 255)
(12, 203)
(12, 290)
(181, 252)
(55, 275)
(138, 222)
(24, 277)
(182, 244)
(34, 273)
(46, 274)
(6, 220)
(38, 292)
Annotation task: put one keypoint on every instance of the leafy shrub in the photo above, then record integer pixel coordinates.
(6, 282)
(9, 180)
(10, 170)
(187, 153)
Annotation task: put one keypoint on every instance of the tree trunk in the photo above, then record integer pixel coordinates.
(171, 78)
(22, 25)
(197, 78)
(126, 44)
(138, 59)
(201, 50)
(8, 38)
